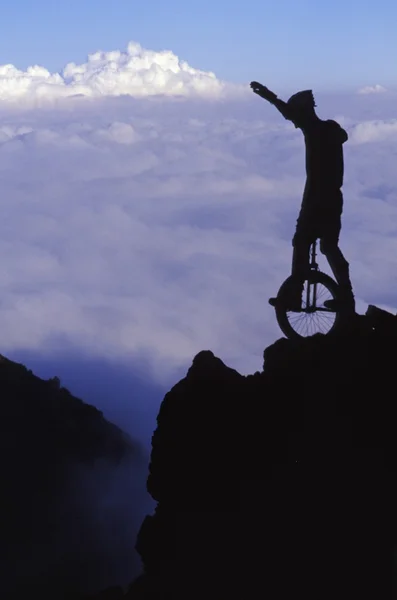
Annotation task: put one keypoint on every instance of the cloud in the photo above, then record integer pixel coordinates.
(137, 72)
(141, 229)
(374, 131)
(374, 89)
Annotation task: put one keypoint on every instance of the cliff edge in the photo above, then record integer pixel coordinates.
(281, 483)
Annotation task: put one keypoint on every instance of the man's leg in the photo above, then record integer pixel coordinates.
(340, 269)
(299, 270)
(300, 259)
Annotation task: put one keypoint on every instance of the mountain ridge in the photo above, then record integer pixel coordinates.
(58, 456)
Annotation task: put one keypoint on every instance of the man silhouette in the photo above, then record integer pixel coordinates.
(322, 204)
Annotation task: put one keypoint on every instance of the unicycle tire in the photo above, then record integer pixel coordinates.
(292, 323)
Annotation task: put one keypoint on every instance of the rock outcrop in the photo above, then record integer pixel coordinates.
(279, 484)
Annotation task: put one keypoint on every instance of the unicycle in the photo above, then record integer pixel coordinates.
(314, 316)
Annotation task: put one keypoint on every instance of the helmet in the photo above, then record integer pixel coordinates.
(302, 100)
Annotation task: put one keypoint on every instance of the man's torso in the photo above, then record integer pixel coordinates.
(324, 155)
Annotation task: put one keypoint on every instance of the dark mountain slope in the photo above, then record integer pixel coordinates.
(60, 461)
(282, 483)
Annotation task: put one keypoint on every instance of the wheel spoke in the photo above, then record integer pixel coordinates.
(315, 318)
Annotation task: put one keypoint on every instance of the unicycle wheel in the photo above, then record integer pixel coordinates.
(314, 316)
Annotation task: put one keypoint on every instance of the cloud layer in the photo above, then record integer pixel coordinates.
(156, 230)
(137, 72)
(144, 229)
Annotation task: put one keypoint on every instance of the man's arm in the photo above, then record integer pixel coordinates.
(339, 131)
(271, 97)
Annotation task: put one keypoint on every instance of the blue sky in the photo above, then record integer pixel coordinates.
(284, 43)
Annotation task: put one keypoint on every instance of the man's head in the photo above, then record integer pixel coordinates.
(303, 102)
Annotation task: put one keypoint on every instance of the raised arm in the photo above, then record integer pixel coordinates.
(286, 110)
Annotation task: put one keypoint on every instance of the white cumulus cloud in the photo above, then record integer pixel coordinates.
(371, 131)
(372, 89)
(137, 72)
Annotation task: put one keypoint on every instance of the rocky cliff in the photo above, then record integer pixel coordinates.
(279, 484)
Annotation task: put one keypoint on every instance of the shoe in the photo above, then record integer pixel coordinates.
(332, 304)
(288, 304)
(339, 305)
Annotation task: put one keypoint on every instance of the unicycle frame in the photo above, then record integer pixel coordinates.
(313, 266)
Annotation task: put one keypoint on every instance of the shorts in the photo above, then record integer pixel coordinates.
(320, 221)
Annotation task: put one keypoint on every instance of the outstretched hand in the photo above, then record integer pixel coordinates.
(257, 87)
(262, 91)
